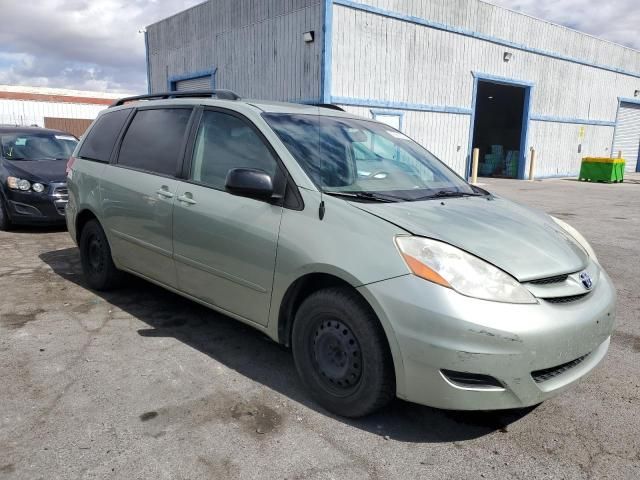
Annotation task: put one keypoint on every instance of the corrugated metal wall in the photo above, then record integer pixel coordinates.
(556, 146)
(627, 136)
(377, 58)
(485, 18)
(256, 45)
(25, 112)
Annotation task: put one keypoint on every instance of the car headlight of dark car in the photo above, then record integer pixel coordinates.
(15, 183)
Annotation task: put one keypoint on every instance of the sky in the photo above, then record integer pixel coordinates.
(96, 44)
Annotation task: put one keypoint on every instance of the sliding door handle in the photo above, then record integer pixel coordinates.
(164, 192)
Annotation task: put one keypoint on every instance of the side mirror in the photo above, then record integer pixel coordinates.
(249, 182)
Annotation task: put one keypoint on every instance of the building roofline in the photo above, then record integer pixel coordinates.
(177, 13)
(564, 27)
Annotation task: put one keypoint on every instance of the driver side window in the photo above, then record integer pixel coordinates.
(225, 142)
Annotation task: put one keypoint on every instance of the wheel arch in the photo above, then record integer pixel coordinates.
(309, 283)
(82, 218)
(297, 292)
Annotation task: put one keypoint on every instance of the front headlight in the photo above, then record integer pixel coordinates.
(577, 236)
(23, 185)
(12, 183)
(451, 267)
(18, 184)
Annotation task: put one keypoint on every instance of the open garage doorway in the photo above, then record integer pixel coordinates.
(500, 127)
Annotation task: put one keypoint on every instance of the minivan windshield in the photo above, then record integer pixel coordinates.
(37, 146)
(365, 160)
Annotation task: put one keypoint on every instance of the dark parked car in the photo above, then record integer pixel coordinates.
(33, 185)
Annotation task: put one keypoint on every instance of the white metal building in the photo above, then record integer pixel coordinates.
(69, 110)
(452, 74)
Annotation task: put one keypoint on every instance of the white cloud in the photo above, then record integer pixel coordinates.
(95, 45)
(83, 44)
(614, 20)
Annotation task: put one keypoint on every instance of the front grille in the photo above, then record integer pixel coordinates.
(540, 376)
(60, 196)
(549, 280)
(569, 299)
(61, 192)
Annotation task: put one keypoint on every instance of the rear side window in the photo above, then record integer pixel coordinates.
(103, 135)
(155, 140)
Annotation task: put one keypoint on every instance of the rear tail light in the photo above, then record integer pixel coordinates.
(70, 163)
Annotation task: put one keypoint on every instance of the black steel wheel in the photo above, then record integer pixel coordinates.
(336, 356)
(341, 353)
(95, 255)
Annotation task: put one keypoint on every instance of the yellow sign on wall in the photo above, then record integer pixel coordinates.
(581, 132)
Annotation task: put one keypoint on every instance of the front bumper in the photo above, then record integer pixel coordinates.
(38, 208)
(438, 329)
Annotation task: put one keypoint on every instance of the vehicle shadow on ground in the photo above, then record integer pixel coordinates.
(37, 229)
(253, 355)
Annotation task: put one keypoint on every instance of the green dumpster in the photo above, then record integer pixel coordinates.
(607, 170)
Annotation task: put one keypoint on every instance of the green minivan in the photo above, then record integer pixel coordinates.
(384, 272)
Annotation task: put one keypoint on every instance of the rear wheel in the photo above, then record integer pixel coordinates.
(95, 255)
(5, 222)
(341, 353)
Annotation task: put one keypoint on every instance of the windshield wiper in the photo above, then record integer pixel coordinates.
(371, 196)
(447, 194)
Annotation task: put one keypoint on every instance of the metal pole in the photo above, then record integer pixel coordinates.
(619, 153)
(474, 166)
(532, 164)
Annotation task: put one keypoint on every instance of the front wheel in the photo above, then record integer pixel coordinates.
(95, 255)
(341, 353)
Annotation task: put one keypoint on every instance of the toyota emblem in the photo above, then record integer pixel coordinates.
(585, 278)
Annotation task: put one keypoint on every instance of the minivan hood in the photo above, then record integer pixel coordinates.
(523, 242)
(45, 171)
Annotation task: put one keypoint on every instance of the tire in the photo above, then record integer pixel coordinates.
(95, 255)
(341, 353)
(5, 222)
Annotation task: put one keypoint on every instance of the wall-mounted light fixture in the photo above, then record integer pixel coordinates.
(636, 93)
(309, 37)
(507, 56)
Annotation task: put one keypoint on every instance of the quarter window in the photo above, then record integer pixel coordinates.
(225, 142)
(155, 139)
(103, 135)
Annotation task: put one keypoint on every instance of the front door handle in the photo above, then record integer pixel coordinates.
(164, 192)
(187, 198)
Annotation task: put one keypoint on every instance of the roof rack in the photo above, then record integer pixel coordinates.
(330, 106)
(219, 94)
